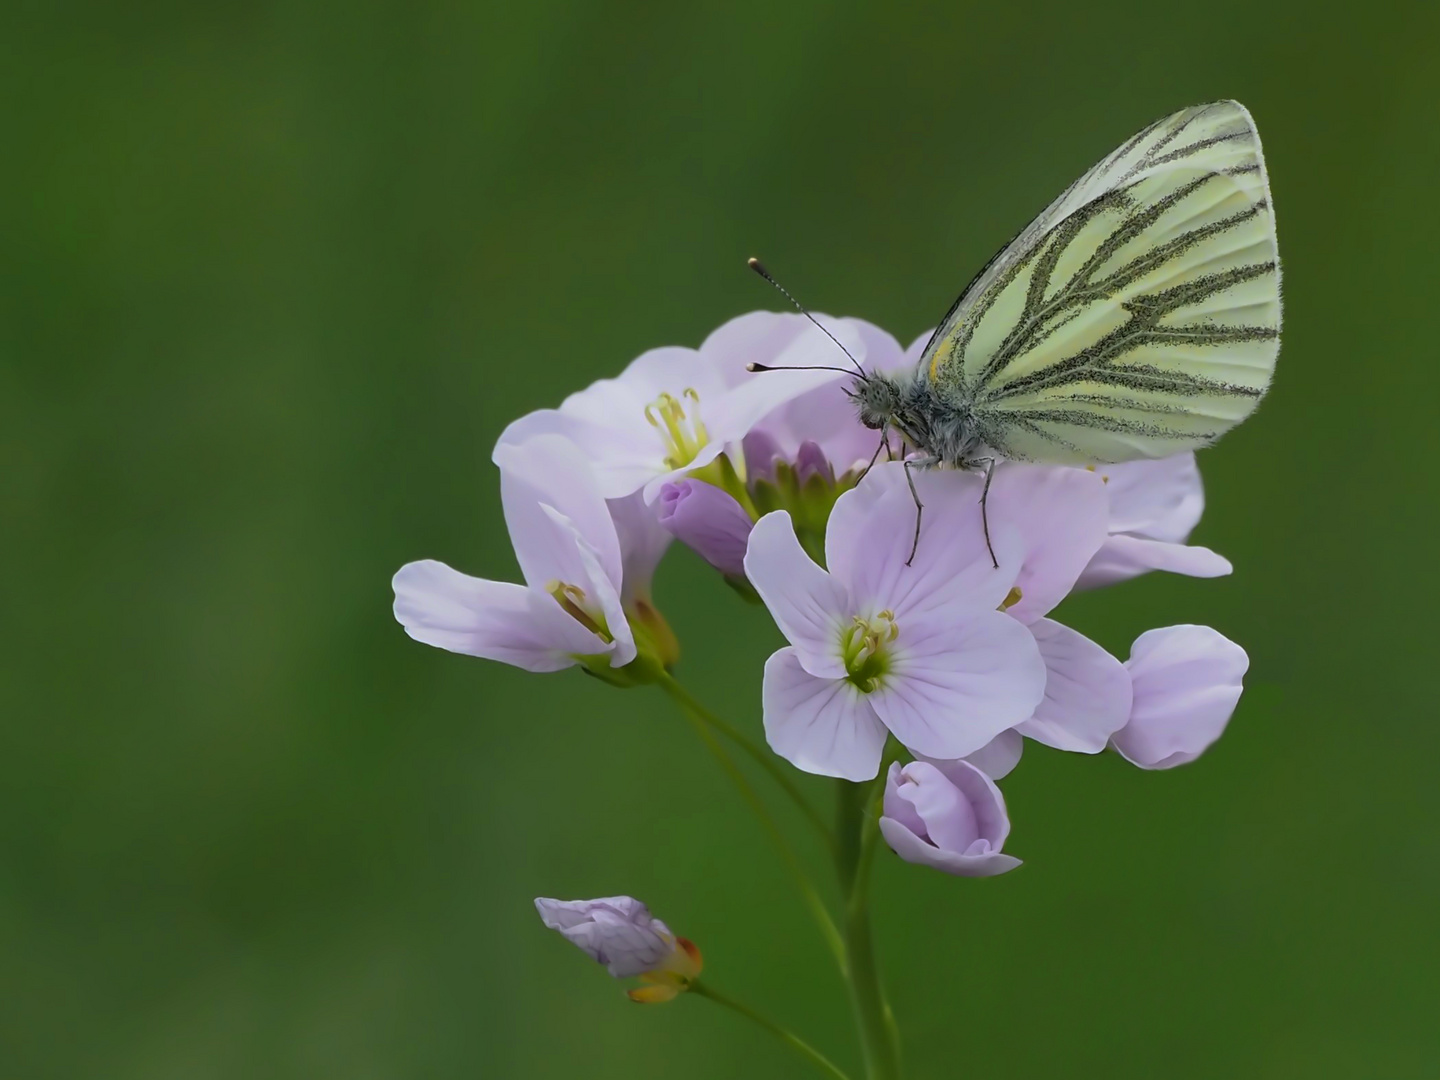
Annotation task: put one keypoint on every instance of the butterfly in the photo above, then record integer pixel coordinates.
(1136, 317)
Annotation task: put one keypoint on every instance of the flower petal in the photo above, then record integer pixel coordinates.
(707, 520)
(1123, 557)
(601, 591)
(1187, 681)
(550, 470)
(622, 460)
(823, 726)
(1161, 499)
(806, 603)
(997, 758)
(491, 619)
(987, 805)
(1087, 692)
(914, 850)
(643, 542)
(954, 686)
(616, 931)
(948, 817)
(1061, 515)
(869, 540)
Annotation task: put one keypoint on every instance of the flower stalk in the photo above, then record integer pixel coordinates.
(700, 719)
(824, 1064)
(856, 821)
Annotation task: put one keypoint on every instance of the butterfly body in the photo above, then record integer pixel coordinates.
(1137, 316)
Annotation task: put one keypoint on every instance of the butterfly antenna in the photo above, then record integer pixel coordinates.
(759, 268)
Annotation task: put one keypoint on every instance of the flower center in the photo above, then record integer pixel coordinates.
(683, 434)
(864, 647)
(571, 599)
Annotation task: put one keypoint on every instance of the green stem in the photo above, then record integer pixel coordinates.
(765, 760)
(819, 1059)
(792, 862)
(857, 831)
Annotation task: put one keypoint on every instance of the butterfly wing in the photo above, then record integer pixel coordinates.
(1138, 315)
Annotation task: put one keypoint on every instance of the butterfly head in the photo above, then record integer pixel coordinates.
(878, 399)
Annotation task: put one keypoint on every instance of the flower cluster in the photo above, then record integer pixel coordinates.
(921, 653)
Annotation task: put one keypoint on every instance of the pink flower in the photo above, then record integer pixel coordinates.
(1154, 505)
(1187, 682)
(919, 650)
(946, 814)
(570, 557)
(675, 409)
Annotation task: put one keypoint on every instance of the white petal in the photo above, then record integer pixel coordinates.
(757, 395)
(551, 471)
(954, 687)
(622, 458)
(643, 542)
(602, 592)
(806, 603)
(823, 726)
(1187, 681)
(870, 537)
(495, 620)
(1160, 499)
(1123, 557)
(999, 756)
(1087, 692)
(1061, 515)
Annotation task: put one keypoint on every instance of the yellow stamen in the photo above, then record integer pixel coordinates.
(1013, 597)
(684, 434)
(571, 599)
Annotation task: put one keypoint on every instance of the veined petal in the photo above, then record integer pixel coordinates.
(870, 536)
(1087, 692)
(1121, 558)
(1187, 681)
(643, 542)
(954, 686)
(494, 620)
(808, 605)
(622, 459)
(601, 591)
(552, 471)
(824, 726)
(761, 393)
(1061, 515)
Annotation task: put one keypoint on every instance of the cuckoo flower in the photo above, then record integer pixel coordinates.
(620, 932)
(1154, 505)
(675, 409)
(881, 642)
(569, 608)
(1187, 681)
(946, 814)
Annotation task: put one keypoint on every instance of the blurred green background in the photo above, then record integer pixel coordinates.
(276, 276)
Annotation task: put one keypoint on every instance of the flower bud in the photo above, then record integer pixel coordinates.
(946, 814)
(708, 520)
(620, 932)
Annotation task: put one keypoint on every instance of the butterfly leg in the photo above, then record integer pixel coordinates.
(984, 514)
(884, 445)
(919, 508)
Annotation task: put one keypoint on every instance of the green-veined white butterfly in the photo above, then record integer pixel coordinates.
(1136, 317)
